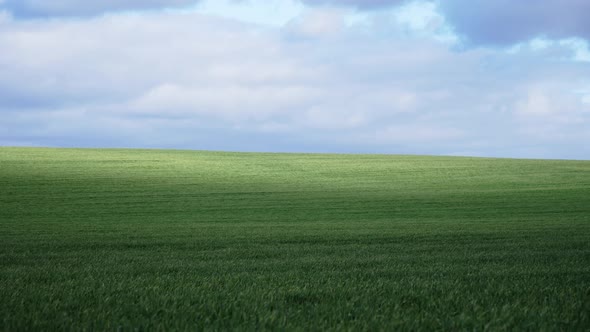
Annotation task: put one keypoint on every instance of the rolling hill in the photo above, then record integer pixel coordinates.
(177, 240)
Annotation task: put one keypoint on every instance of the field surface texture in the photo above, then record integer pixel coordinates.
(182, 240)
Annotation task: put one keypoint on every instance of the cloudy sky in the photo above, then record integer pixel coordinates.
(455, 77)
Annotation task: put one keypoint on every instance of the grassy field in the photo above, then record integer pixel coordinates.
(181, 240)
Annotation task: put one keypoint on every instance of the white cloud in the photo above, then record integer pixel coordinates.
(579, 48)
(264, 12)
(536, 103)
(416, 133)
(323, 22)
(228, 102)
(197, 81)
(553, 102)
(570, 49)
(5, 17)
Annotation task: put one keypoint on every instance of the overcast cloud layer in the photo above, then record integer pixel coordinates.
(378, 78)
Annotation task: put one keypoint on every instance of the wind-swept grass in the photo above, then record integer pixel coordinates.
(181, 240)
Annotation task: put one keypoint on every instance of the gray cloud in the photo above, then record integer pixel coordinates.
(45, 8)
(500, 22)
(505, 22)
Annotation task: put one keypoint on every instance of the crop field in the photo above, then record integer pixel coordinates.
(99, 239)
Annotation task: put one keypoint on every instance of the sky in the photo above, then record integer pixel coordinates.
(494, 78)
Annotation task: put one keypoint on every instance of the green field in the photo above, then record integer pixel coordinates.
(183, 240)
